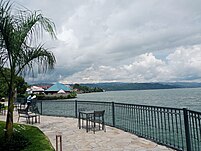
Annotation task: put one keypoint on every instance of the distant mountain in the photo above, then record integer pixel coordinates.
(185, 84)
(117, 86)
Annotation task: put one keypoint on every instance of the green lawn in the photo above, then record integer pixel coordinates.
(28, 136)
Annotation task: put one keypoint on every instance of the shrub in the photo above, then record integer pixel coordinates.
(17, 143)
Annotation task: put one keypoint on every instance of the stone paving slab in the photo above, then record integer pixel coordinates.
(75, 139)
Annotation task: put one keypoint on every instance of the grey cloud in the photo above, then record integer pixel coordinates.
(112, 33)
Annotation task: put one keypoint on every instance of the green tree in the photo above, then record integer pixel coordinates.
(20, 32)
(21, 85)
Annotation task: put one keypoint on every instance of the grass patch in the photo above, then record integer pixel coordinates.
(25, 138)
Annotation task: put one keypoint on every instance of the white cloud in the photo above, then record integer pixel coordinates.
(125, 37)
(184, 63)
(181, 65)
(67, 36)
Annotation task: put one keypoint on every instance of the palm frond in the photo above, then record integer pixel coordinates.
(35, 56)
(30, 25)
(18, 33)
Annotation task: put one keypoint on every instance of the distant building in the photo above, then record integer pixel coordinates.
(35, 90)
(58, 88)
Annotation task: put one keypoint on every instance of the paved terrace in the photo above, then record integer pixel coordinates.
(75, 139)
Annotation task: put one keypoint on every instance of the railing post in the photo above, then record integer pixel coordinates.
(113, 114)
(76, 108)
(41, 107)
(187, 131)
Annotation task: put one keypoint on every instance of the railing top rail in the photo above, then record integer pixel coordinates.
(94, 101)
(139, 105)
(57, 100)
(150, 106)
(196, 112)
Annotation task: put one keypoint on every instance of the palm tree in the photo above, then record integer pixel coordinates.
(19, 51)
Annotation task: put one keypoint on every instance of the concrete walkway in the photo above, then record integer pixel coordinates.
(75, 139)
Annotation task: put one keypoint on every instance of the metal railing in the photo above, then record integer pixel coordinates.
(177, 128)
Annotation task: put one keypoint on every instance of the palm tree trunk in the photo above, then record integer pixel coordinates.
(9, 119)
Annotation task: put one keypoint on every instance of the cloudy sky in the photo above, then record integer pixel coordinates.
(122, 40)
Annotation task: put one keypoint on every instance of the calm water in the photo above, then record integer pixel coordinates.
(189, 97)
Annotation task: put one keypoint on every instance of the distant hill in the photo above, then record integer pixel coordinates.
(116, 86)
(185, 84)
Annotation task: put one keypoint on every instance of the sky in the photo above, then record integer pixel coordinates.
(122, 40)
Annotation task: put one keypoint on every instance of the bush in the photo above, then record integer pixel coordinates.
(17, 143)
(56, 96)
(26, 138)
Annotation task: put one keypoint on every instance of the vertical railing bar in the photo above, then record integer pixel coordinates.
(144, 121)
(138, 127)
(190, 128)
(119, 113)
(200, 130)
(41, 107)
(194, 129)
(125, 117)
(161, 117)
(135, 119)
(187, 132)
(177, 129)
(166, 133)
(128, 118)
(159, 126)
(172, 119)
(162, 124)
(155, 127)
(193, 123)
(154, 121)
(147, 121)
(169, 127)
(113, 114)
(152, 132)
(150, 123)
(197, 136)
(123, 113)
(76, 110)
(155, 124)
(197, 131)
(131, 128)
(136, 122)
(140, 121)
(131, 118)
(165, 126)
(181, 129)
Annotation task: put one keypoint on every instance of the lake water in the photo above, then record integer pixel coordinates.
(180, 98)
